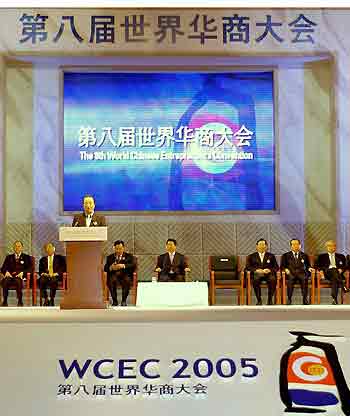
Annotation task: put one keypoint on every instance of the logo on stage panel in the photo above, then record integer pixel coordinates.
(311, 377)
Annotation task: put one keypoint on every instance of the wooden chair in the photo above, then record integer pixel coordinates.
(62, 285)
(133, 286)
(311, 284)
(323, 283)
(225, 273)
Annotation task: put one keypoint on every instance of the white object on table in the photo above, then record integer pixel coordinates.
(171, 294)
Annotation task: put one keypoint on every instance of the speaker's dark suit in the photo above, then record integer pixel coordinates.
(336, 278)
(79, 220)
(299, 272)
(123, 276)
(254, 263)
(14, 267)
(173, 271)
(59, 267)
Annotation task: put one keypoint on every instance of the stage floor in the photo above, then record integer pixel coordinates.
(185, 314)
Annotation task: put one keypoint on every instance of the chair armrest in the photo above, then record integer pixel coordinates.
(248, 287)
(28, 280)
(64, 281)
(134, 279)
(283, 295)
(319, 275)
(241, 277)
(34, 287)
(346, 274)
(188, 277)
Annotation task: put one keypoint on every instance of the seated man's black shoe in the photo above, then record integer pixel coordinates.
(289, 302)
(305, 302)
(269, 302)
(123, 303)
(115, 303)
(52, 302)
(46, 302)
(4, 303)
(335, 301)
(20, 303)
(259, 303)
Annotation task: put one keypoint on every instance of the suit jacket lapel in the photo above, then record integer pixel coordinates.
(54, 263)
(291, 257)
(82, 220)
(338, 259)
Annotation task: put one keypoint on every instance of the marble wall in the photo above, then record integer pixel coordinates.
(33, 160)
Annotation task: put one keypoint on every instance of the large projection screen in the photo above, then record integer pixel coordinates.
(170, 142)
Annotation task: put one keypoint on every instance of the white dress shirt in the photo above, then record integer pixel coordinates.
(171, 255)
(88, 219)
(332, 263)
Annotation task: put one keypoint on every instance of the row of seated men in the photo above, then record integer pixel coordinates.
(262, 265)
(119, 267)
(173, 266)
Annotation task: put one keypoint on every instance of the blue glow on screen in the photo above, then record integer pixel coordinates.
(169, 141)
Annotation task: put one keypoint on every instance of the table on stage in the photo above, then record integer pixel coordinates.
(171, 294)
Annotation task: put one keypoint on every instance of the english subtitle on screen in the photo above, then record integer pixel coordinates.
(161, 156)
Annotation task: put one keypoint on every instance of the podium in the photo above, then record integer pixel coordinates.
(83, 249)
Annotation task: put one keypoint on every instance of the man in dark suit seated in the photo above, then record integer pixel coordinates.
(51, 269)
(119, 267)
(14, 270)
(263, 267)
(88, 218)
(296, 265)
(172, 266)
(332, 265)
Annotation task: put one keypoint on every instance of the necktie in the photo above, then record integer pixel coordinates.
(171, 257)
(296, 256)
(50, 266)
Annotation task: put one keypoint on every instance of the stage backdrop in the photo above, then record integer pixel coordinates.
(181, 141)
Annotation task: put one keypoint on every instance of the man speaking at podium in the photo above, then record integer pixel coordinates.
(88, 218)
